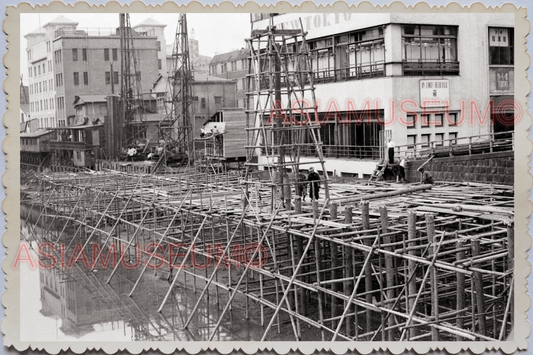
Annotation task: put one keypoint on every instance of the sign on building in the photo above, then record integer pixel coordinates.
(434, 93)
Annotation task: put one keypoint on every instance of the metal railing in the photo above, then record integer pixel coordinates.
(344, 151)
(492, 142)
(429, 67)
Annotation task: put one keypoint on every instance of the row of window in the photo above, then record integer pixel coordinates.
(222, 68)
(42, 86)
(42, 105)
(76, 76)
(203, 100)
(425, 50)
(431, 120)
(425, 139)
(75, 54)
(37, 69)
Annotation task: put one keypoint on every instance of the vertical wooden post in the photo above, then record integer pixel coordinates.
(389, 268)
(411, 267)
(298, 205)
(333, 211)
(287, 192)
(478, 286)
(368, 267)
(318, 262)
(460, 287)
(348, 272)
(432, 238)
(510, 265)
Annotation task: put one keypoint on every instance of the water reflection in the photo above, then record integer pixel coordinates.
(82, 303)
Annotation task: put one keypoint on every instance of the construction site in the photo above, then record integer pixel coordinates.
(366, 261)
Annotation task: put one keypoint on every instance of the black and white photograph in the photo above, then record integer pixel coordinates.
(270, 177)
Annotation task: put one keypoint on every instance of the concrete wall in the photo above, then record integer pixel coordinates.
(496, 168)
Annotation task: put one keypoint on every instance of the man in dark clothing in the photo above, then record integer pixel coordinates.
(301, 186)
(314, 183)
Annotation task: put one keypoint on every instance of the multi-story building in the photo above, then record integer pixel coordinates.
(419, 79)
(64, 61)
(209, 95)
(151, 28)
(234, 66)
(199, 63)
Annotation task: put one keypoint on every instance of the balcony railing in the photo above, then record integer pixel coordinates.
(493, 142)
(413, 68)
(69, 145)
(344, 151)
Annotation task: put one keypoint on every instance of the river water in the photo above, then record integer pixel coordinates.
(75, 303)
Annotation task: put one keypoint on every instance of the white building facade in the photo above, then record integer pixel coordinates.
(420, 79)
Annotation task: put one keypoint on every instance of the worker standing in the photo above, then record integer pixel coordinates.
(390, 148)
(314, 183)
(402, 170)
(301, 186)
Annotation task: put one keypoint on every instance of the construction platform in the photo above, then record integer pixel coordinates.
(375, 261)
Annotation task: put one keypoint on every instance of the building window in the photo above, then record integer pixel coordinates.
(106, 54)
(501, 46)
(424, 121)
(195, 98)
(115, 77)
(439, 118)
(218, 99)
(452, 119)
(39, 69)
(159, 64)
(107, 78)
(76, 78)
(350, 134)
(411, 121)
(411, 141)
(44, 68)
(425, 140)
(452, 136)
(439, 139)
(84, 54)
(203, 102)
(115, 54)
(75, 54)
(429, 50)
(85, 78)
(158, 45)
(233, 66)
(322, 59)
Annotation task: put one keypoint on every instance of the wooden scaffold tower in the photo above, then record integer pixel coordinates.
(282, 118)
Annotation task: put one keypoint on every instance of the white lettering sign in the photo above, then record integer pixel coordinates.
(434, 93)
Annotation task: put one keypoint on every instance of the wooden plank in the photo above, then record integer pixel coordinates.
(235, 134)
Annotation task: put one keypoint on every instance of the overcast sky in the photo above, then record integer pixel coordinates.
(216, 33)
